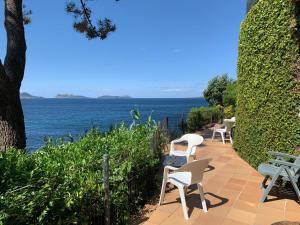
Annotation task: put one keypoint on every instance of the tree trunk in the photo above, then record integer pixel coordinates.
(12, 129)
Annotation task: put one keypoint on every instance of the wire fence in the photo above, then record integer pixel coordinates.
(175, 125)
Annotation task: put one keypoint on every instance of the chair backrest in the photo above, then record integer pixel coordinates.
(196, 168)
(228, 124)
(193, 140)
(297, 162)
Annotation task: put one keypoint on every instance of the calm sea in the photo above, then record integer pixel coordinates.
(63, 117)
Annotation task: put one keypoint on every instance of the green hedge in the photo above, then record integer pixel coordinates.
(268, 89)
(63, 184)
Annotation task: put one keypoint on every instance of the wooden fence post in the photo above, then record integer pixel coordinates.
(167, 123)
(106, 189)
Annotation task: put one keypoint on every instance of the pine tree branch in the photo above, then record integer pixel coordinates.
(84, 24)
(87, 15)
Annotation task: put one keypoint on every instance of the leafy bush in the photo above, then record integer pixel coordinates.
(229, 112)
(215, 89)
(229, 95)
(268, 89)
(199, 117)
(63, 184)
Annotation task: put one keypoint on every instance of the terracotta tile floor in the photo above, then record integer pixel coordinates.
(232, 193)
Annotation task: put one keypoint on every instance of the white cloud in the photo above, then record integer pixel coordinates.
(172, 90)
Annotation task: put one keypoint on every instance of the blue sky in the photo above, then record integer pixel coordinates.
(162, 48)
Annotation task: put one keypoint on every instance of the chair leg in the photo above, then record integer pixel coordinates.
(194, 157)
(264, 182)
(230, 138)
(293, 183)
(269, 187)
(223, 138)
(163, 191)
(183, 203)
(213, 136)
(185, 190)
(187, 158)
(201, 192)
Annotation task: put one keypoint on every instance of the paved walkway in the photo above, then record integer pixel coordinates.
(232, 193)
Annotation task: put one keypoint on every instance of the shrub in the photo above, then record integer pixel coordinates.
(229, 95)
(215, 89)
(268, 90)
(199, 117)
(63, 184)
(229, 112)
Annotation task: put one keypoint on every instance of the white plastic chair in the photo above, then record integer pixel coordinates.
(182, 178)
(232, 119)
(225, 128)
(193, 141)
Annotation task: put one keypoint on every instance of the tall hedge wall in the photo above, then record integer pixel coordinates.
(268, 89)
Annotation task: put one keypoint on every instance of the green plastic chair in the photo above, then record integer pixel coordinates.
(280, 168)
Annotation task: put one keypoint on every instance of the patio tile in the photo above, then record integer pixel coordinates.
(223, 159)
(148, 223)
(251, 189)
(292, 205)
(212, 186)
(245, 206)
(255, 178)
(229, 195)
(194, 209)
(169, 207)
(234, 187)
(277, 204)
(220, 211)
(178, 220)
(215, 200)
(240, 176)
(241, 216)
(276, 213)
(262, 219)
(250, 197)
(233, 222)
(254, 184)
(236, 181)
(293, 216)
(172, 196)
(158, 217)
(208, 219)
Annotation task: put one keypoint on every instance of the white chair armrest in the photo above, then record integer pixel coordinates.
(167, 169)
(171, 168)
(177, 140)
(172, 148)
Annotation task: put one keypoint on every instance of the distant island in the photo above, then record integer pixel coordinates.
(70, 96)
(25, 95)
(114, 97)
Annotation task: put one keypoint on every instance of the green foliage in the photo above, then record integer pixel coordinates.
(199, 117)
(229, 112)
(83, 23)
(268, 91)
(229, 95)
(62, 184)
(215, 89)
